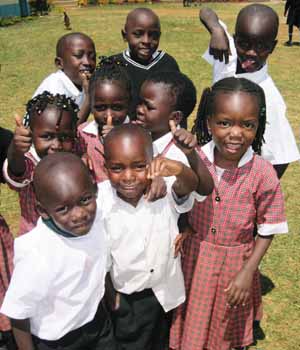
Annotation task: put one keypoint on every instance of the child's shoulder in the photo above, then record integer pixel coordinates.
(263, 171)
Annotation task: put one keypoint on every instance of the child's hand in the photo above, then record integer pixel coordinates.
(219, 45)
(179, 240)
(164, 167)
(157, 189)
(85, 78)
(107, 127)
(22, 138)
(183, 139)
(87, 160)
(239, 289)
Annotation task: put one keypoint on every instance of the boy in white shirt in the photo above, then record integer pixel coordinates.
(76, 61)
(245, 55)
(54, 299)
(144, 271)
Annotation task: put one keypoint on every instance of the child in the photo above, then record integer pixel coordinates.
(221, 259)
(55, 295)
(76, 61)
(110, 93)
(254, 40)
(166, 97)
(6, 251)
(292, 10)
(144, 271)
(49, 127)
(142, 33)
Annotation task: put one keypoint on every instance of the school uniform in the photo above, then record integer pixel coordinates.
(144, 270)
(58, 283)
(6, 238)
(60, 83)
(88, 135)
(280, 145)
(243, 197)
(138, 73)
(293, 15)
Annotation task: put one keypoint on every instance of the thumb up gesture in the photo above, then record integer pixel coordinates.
(108, 126)
(22, 138)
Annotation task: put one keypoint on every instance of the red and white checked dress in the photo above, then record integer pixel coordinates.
(88, 134)
(224, 222)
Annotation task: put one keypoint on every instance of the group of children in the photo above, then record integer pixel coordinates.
(135, 233)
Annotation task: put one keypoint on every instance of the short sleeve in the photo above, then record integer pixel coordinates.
(29, 284)
(271, 217)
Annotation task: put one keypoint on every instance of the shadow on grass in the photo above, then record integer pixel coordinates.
(267, 284)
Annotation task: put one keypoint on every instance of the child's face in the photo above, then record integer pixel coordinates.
(78, 58)
(53, 131)
(112, 99)
(254, 41)
(155, 108)
(142, 34)
(233, 126)
(71, 202)
(127, 166)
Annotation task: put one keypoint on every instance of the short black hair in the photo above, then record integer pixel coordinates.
(181, 88)
(39, 103)
(62, 41)
(110, 69)
(141, 10)
(207, 103)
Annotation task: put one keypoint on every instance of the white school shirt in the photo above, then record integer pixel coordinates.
(280, 145)
(60, 83)
(57, 282)
(141, 241)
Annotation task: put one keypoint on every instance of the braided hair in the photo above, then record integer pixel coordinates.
(110, 69)
(36, 106)
(181, 88)
(229, 86)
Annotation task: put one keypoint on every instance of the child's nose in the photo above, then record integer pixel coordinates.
(86, 60)
(146, 39)
(236, 131)
(78, 214)
(128, 175)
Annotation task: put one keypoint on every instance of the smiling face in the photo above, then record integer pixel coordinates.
(155, 109)
(127, 160)
(255, 41)
(68, 197)
(77, 57)
(53, 131)
(142, 32)
(233, 126)
(110, 98)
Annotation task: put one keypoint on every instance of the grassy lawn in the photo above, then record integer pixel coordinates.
(27, 55)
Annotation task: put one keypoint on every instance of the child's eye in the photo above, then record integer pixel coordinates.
(47, 137)
(115, 168)
(223, 123)
(100, 108)
(117, 108)
(140, 167)
(137, 33)
(62, 210)
(154, 35)
(66, 138)
(249, 125)
(86, 200)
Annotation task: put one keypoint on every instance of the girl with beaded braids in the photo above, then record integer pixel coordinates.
(110, 96)
(221, 258)
(49, 126)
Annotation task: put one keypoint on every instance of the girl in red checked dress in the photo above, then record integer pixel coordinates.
(222, 257)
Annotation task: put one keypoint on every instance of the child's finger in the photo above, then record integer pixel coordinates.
(18, 120)
(172, 125)
(109, 121)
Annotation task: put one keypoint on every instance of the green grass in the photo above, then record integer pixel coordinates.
(27, 55)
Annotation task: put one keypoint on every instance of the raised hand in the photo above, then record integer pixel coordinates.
(164, 167)
(22, 138)
(157, 189)
(85, 78)
(183, 139)
(219, 45)
(108, 126)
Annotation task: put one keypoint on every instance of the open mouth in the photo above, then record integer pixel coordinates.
(249, 64)
(233, 147)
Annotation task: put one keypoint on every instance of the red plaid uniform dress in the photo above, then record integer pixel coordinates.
(94, 149)
(224, 223)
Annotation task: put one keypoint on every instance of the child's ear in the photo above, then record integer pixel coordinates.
(59, 62)
(42, 211)
(177, 116)
(124, 35)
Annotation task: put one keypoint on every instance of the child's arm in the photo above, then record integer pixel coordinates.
(187, 143)
(19, 146)
(86, 105)
(186, 180)
(219, 44)
(239, 289)
(21, 330)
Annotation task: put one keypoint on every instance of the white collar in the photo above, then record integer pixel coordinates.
(162, 142)
(156, 56)
(71, 87)
(92, 127)
(209, 148)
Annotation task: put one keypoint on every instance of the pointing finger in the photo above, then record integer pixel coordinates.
(172, 125)
(18, 120)
(109, 120)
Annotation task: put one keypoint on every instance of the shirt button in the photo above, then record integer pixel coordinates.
(217, 199)
(151, 270)
(213, 230)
